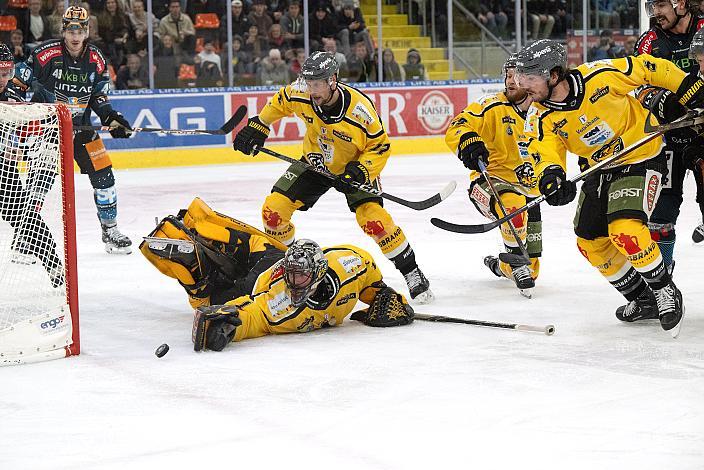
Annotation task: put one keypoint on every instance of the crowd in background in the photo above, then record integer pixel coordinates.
(190, 36)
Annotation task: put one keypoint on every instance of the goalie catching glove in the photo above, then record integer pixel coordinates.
(254, 134)
(214, 327)
(388, 308)
(120, 128)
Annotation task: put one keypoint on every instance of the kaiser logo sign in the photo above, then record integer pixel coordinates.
(435, 111)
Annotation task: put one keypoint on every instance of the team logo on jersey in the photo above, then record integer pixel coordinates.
(525, 174)
(599, 93)
(608, 150)
(435, 111)
(649, 65)
(598, 135)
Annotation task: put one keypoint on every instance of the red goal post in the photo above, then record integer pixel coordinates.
(38, 276)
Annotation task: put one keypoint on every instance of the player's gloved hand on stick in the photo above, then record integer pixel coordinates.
(558, 190)
(214, 327)
(121, 128)
(354, 172)
(691, 92)
(471, 149)
(254, 134)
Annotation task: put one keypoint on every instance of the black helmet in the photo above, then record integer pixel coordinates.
(696, 47)
(319, 66)
(7, 60)
(541, 58)
(75, 18)
(510, 62)
(304, 267)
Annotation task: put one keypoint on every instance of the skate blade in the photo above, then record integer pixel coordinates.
(424, 297)
(116, 250)
(675, 332)
(527, 293)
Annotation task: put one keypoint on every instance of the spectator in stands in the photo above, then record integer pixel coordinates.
(413, 69)
(179, 27)
(273, 70)
(563, 19)
(114, 28)
(628, 12)
(605, 49)
(134, 75)
(19, 50)
(259, 17)
(351, 18)
(296, 63)
(39, 28)
(167, 59)
(538, 17)
(196, 7)
(360, 65)
(629, 46)
(55, 19)
(255, 45)
(240, 22)
(208, 66)
(292, 25)
(491, 14)
(607, 13)
(276, 9)
(275, 38)
(93, 29)
(330, 45)
(392, 71)
(139, 19)
(323, 25)
(241, 61)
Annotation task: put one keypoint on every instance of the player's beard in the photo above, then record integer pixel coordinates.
(665, 23)
(516, 95)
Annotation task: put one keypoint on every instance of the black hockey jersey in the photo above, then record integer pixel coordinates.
(55, 77)
(673, 47)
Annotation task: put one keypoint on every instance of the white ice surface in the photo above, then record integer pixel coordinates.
(596, 395)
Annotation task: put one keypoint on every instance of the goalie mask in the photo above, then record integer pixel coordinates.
(7, 65)
(304, 267)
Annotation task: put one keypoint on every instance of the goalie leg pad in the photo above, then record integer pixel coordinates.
(214, 327)
(388, 308)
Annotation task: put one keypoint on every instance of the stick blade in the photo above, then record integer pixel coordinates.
(230, 125)
(459, 228)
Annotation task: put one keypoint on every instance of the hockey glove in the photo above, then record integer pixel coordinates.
(254, 134)
(354, 172)
(388, 308)
(667, 108)
(558, 190)
(121, 129)
(691, 92)
(471, 149)
(214, 327)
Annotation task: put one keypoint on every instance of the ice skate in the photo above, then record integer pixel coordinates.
(115, 241)
(670, 308)
(419, 287)
(519, 274)
(643, 308)
(698, 234)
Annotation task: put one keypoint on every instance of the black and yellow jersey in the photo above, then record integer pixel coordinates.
(599, 117)
(500, 124)
(268, 310)
(355, 133)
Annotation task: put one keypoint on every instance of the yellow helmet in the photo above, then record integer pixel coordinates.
(74, 18)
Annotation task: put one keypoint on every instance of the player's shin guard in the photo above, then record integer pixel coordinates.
(276, 215)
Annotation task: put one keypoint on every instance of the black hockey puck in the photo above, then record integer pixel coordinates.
(162, 350)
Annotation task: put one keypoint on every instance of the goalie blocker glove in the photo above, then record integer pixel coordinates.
(555, 186)
(254, 134)
(214, 327)
(471, 149)
(354, 172)
(388, 308)
(121, 129)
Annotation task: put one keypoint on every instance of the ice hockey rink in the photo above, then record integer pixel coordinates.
(597, 394)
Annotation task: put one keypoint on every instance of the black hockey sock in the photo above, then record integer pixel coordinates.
(631, 284)
(405, 261)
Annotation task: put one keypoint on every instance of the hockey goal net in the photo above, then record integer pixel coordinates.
(38, 288)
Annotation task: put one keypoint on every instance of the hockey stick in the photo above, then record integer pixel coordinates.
(525, 259)
(692, 118)
(547, 329)
(433, 200)
(482, 228)
(226, 128)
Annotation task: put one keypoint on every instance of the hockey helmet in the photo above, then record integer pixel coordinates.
(319, 66)
(510, 63)
(541, 58)
(696, 47)
(7, 62)
(650, 6)
(304, 267)
(75, 18)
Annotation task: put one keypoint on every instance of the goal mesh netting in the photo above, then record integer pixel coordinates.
(38, 303)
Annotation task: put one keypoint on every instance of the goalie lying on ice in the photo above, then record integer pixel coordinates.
(306, 288)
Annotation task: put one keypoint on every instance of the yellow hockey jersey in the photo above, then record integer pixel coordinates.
(500, 124)
(599, 117)
(268, 310)
(357, 133)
